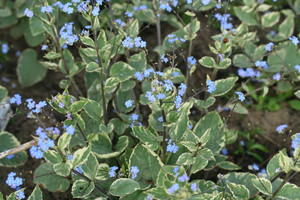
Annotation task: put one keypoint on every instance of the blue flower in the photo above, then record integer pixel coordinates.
(182, 88)
(148, 72)
(46, 9)
(294, 40)
(241, 96)
(120, 22)
(134, 170)
(295, 141)
(164, 59)
(39, 106)
(70, 130)
(36, 152)
(129, 42)
(4, 48)
(281, 128)
(297, 67)
(183, 178)
(149, 95)
(223, 19)
(160, 119)
(44, 47)
(66, 33)
(79, 169)
(224, 151)
(13, 181)
(112, 171)
(20, 195)
(248, 72)
(129, 103)
(160, 96)
(134, 117)
(254, 167)
(70, 157)
(172, 147)
(191, 60)
(129, 14)
(269, 46)
(178, 101)
(28, 13)
(96, 11)
(194, 187)
(173, 188)
(205, 2)
(277, 76)
(168, 85)
(16, 99)
(262, 64)
(139, 76)
(211, 86)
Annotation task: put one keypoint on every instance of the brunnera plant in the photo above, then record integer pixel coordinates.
(130, 134)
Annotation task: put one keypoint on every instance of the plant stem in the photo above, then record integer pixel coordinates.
(22, 147)
(103, 77)
(158, 34)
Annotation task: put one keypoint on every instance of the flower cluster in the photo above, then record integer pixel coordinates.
(66, 33)
(44, 143)
(172, 38)
(130, 43)
(35, 107)
(295, 141)
(167, 4)
(112, 171)
(211, 86)
(224, 21)
(134, 170)
(15, 182)
(248, 73)
(172, 147)
(241, 96)
(16, 99)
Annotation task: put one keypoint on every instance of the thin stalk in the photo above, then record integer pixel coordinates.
(158, 33)
(22, 147)
(103, 77)
(187, 75)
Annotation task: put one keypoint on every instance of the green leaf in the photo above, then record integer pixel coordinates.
(208, 62)
(64, 141)
(199, 164)
(182, 123)
(211, 121)
(147, 161)
(36, 194)
(146, 137)
(123, 186)
(62, 169)
(102, 146)
(138, 61)
(204, 104)
(263, 185)
(185, 159)
(241, 60)
(78, 106)
(92, 67)
(8, 141)
(238, 191)
(68, 66)
(36, 26)
(90, 167)
(289, 191)
(27, 64)
(224, 85)
(273, 166)
(285, 162)
(44, 175)
(246, 17)
(297, 94)
(241, 179)
(87, 41)
(82, 188)
(80, 156)
(227, 165)
(53, 156)
(270, 19)
(93, 109)
(122, 71)
(295, 104)
(3, 93)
